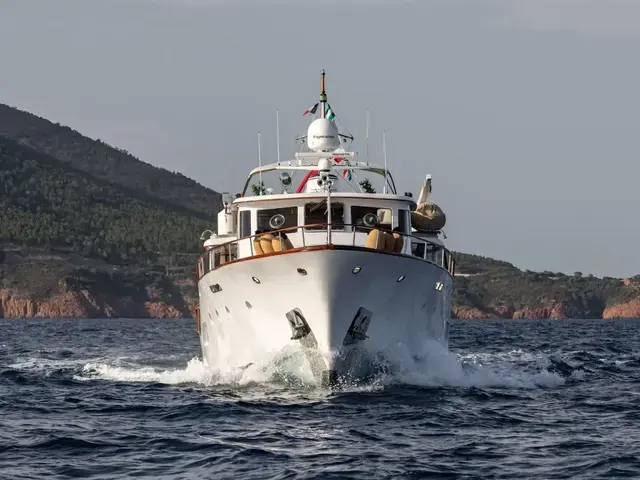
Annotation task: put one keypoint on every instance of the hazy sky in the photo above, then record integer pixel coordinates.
(526, 112)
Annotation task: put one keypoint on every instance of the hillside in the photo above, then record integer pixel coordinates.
(87, 230)
(489, 288)
(107, 163)
(46, 202)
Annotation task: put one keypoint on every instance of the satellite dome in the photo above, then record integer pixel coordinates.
(322, 136)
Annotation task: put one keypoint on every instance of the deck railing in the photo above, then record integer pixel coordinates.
(275, 242)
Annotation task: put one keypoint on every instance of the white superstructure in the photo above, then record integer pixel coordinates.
(320, 259)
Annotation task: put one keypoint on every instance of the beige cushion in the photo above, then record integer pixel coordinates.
(266, 243)
(280, 244)
(375, 239)
(257, 249)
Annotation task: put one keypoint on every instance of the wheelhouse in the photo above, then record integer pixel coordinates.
(345, 217)
(274, 224)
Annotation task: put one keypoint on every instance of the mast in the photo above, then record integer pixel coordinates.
(323, 96)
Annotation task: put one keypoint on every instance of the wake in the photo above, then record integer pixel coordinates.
(434, 367)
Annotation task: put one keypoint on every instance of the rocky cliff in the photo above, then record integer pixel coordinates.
(488, 288)
(58, 289)
(85, 304)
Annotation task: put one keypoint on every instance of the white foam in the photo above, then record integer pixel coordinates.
(195, 372)
(286, 365)
(45, 365)
(439, 367)
(436, 366)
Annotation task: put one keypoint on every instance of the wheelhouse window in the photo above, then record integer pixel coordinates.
(434, 253)
(317, 213)
(244, 229)
(277, 218)
(428, 251)
(418, 249)
(360, 216)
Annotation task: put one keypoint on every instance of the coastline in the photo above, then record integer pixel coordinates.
(90, 304)
(87, 304)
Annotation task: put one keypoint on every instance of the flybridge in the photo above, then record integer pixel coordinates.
(324, 155)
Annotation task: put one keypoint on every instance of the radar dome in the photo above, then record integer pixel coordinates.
(322, 136)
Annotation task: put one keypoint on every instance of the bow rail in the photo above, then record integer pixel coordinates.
(320, 236)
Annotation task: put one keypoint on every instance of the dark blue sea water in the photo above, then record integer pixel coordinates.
(513, 399)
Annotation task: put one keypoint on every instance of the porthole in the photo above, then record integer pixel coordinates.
(356, 270)
(400, 278)
(255, 279)
(302, 271)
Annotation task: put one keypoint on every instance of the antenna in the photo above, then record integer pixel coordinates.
(384, 151)
(278, 134)
(260, 165)
(366, 121)
(323, 96)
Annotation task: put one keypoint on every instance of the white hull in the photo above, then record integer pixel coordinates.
(245, 321)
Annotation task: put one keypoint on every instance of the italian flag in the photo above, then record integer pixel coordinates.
(328, 113)
(345, 173)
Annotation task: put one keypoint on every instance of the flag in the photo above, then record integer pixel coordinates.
(328, 113)
(310, 110)
(346, 174)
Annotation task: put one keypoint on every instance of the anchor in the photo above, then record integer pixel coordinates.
(301, 331)
(352, 354)
(357, 331)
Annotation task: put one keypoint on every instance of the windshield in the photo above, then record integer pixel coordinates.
(282, 180)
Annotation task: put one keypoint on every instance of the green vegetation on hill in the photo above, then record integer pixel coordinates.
(106, 163)
(46, 202)
(467, 263)
(44, 279)
(494, 286)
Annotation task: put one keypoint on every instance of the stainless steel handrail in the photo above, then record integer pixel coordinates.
(444, 260)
